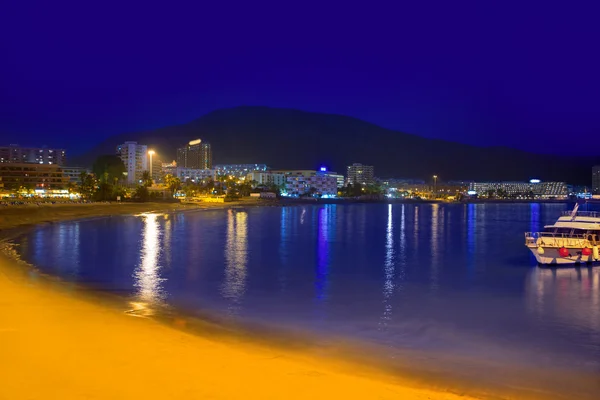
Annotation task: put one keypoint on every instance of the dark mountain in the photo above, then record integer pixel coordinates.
(285, 138)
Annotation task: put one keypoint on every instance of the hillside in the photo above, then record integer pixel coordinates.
(285, 138)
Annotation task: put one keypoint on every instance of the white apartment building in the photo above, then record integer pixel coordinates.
(360, 174)
(195, 175)
(320, 184)
(266, 178)
(73, 173)
(135, 158)
(535, 186)
(596, 180)
(239, 170)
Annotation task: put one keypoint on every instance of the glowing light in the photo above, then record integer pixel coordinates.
(471, 192)
(323, 169)
(236, 258)
(534, 181)
(151, 152)
(147, 278)
(388, 269)
(194, 142)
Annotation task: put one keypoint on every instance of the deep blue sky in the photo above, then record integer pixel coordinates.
(521, 74)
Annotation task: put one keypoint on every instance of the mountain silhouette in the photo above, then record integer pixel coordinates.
(293, 139)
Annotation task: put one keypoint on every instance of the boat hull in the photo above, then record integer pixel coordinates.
(551, 257)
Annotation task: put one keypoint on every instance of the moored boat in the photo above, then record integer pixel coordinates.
(573, 239)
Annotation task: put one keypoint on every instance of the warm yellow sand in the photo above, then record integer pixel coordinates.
(56, 343)
(14, 216)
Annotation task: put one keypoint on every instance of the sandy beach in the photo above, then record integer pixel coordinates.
(59, 343)
(26, 215)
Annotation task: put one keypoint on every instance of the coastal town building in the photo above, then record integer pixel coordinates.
(33, 155)
(32, 176)
(307, 182)
(156, 169)
(195, 175)
(362, 174)
(266, 178)
(339, 178)
(320, 185)
(197, 154)
(73, 174)
(596, 180)
(135, 159)
(534, 188)
(239, 170)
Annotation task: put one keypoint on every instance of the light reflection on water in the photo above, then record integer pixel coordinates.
(417, 276)
(147, 274)
(389, 269)
(322, 252)
(566, 298)
(236, 256)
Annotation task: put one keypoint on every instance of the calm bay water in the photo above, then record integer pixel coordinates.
(450, 278)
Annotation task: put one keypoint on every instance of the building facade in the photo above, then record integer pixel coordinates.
(73, 174)
(135, 158)
(534, 188)
(266, 178)
(339, 178)
(194, 175)
(196, 154)
(319, 184)
(239, 170)
(33, 155)
(32, 176)
(156, 169)
(596, 180)
(362, 174)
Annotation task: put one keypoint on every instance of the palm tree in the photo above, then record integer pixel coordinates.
(146, 179)
(173, 183)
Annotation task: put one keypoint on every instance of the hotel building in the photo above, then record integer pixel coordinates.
(322, 185)
(358, 173)
(303, 182)
(239, 170)
(596, 180)
(32, 176)
(135, 158)
(34, 155)
(522, 189)
(194, 175)
(196, 154)
(267, 178)
(73, 174)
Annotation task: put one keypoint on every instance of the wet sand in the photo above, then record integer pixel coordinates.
(57, 342)
(27, 215)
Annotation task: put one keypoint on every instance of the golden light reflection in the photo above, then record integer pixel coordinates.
(236, 258)
(146, 275)
(388, 270)
(167, 240)
(435, 225)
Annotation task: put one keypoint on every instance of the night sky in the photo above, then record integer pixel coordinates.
(481, 72)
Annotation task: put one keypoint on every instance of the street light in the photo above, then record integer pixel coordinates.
(151, 153)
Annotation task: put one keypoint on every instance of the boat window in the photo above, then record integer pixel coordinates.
(563, 230)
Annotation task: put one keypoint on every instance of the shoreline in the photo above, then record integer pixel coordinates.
(75, 345)
(247, 350)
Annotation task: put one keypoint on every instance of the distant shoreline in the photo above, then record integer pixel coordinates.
(416, 202)
(75, 322)
(20, 217)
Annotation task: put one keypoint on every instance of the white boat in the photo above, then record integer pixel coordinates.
(573, 239)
